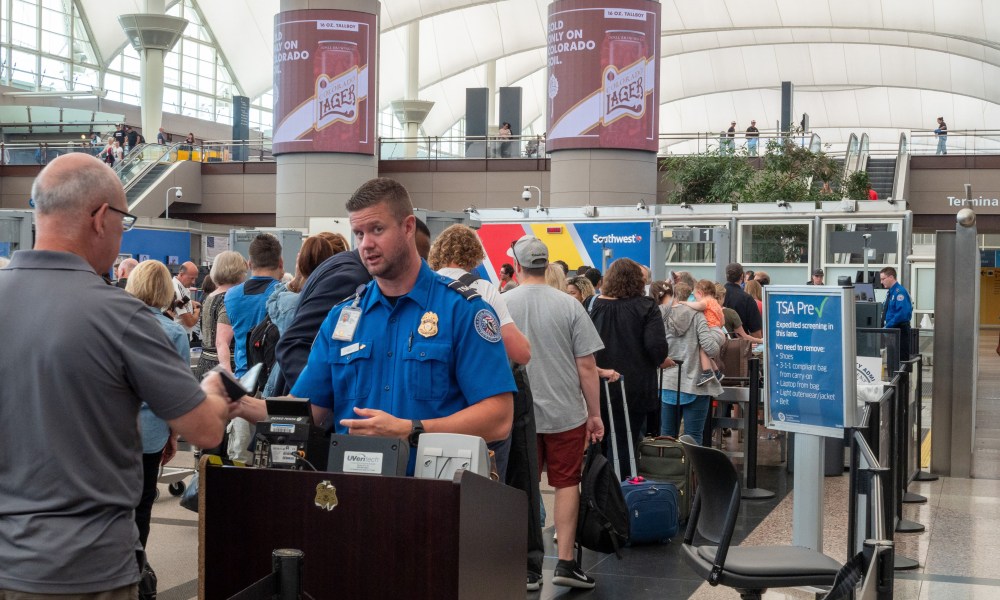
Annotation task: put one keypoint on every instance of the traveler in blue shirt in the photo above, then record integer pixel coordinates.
(407, 354)
(246, 303)
(898, 310)
(246, 306)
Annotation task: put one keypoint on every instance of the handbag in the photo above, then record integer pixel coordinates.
(189, 499)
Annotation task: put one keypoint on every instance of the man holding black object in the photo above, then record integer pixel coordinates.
(410, 352)
(79, 359)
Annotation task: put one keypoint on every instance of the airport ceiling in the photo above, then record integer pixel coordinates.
(881, 66)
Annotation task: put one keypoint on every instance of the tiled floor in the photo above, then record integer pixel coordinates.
(957, 552)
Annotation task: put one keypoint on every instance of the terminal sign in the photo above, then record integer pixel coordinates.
(809, 356)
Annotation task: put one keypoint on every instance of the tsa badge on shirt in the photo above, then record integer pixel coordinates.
(428, 325)
(347, 324)
(899, 297)
(487, 326)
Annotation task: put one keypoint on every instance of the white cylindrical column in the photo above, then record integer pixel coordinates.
(152, 35)
(151, 76)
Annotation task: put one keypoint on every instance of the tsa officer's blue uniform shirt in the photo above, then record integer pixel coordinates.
(389, 365)
(898, 307)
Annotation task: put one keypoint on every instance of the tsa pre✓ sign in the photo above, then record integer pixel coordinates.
(809, 359)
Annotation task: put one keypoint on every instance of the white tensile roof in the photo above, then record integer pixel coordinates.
(880, 66)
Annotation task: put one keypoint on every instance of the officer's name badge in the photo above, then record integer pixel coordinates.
(347, 324)
(428, 325)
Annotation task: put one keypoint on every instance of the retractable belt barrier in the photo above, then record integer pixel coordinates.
(283, 583)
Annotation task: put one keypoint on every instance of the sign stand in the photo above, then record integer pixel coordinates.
(807, 508)
(809, 353)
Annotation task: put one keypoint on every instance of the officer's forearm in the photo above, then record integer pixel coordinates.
(489, 419)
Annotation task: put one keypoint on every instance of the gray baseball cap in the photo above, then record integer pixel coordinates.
(530, 252)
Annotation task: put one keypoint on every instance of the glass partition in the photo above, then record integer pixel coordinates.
(694, 256)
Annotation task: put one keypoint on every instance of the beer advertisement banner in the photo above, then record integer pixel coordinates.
(603, 74)
(324, 81)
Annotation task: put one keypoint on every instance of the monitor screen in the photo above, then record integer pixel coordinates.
(864, 292)
(288, 407)
(881, 295)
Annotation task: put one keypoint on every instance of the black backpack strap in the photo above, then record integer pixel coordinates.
(463, 285)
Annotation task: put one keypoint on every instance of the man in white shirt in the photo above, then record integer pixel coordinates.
(186, 311)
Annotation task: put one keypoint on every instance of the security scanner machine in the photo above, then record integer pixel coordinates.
(788, 240)
(291, 242)
(287, 439)
(16, 231)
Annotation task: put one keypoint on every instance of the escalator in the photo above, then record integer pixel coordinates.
(141, 184)
(881, 172)
(147, 172)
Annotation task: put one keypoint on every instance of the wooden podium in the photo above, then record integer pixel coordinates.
(387, 537)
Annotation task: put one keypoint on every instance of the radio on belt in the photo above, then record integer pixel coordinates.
(287, 439)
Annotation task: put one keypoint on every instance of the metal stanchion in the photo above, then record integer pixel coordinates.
(900, 437)
(911, 497)
(921, 474)
(283, 583)
(890, 416)
(751, 491)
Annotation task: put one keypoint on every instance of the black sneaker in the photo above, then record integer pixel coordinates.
(570, 574)
(534, 582)
(705, 377)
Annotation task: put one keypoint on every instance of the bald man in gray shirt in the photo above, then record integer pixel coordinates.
(79, 357)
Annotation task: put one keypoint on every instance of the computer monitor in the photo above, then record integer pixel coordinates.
(872, 277)
(881, 295)
(289, 407)
(864, 292)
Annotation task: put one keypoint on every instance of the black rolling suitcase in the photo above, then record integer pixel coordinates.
(662, 458)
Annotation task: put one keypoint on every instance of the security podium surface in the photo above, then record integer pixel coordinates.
(385, 537)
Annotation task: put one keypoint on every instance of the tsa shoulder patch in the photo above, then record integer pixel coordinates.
(487, 326)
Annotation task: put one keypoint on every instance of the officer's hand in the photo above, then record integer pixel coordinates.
(377, 423)
(595, 428)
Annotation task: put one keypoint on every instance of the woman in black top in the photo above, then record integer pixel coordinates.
(635, 345)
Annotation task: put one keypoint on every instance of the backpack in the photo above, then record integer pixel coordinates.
(261, 342)
(603, 523)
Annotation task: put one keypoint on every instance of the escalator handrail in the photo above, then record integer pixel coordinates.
(138, 155)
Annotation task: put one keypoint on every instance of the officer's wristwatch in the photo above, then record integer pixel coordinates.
(415, 430)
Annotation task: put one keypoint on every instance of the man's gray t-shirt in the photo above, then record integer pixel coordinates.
(560, 331)
(78, 358)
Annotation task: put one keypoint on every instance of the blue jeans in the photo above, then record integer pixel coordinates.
(693, 414)
(942, 145)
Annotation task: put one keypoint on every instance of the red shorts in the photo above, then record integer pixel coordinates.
(561, 455)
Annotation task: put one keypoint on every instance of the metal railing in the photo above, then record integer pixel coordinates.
(680, 144)
(968, 141)
(460, 147)
(33, 153)
(236, 151)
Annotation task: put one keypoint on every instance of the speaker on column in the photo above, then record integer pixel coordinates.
(787, 92)
(477, 102)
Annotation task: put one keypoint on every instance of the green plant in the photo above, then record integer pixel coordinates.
(712, 177)
(857, 184)
(787, 171)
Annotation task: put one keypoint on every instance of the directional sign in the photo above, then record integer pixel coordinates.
(809, 359)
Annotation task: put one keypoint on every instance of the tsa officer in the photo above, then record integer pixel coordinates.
(408, 353)
(898, 310)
